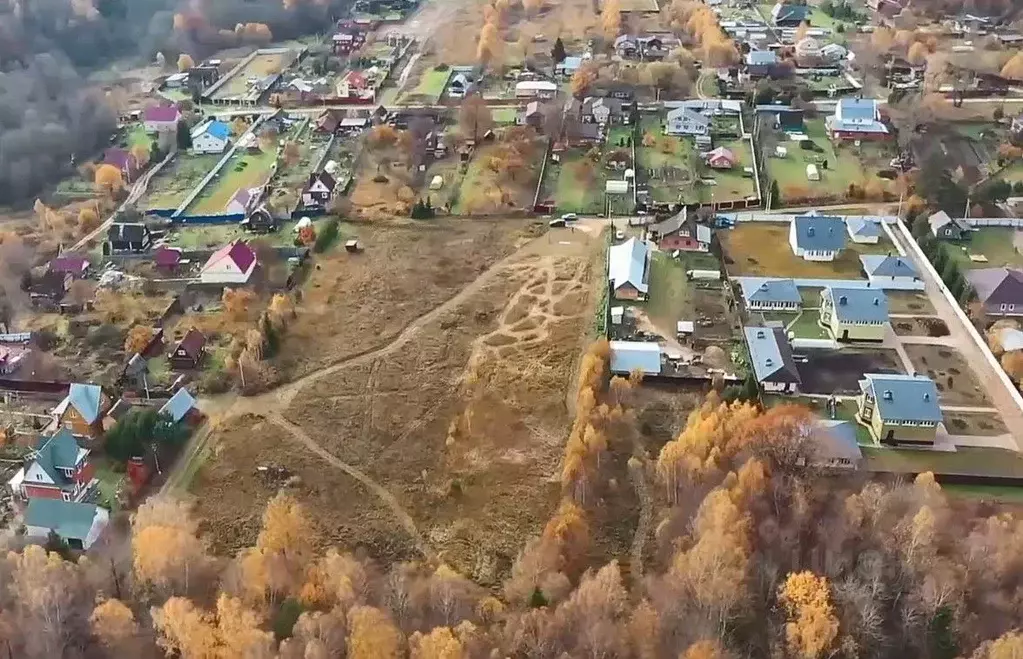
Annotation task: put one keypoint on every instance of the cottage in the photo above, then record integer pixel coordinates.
(629, 356)
(786, 15)
(260, 220)
(770, 294)
(854, 314)
(78, 524)
(348, 39)
(161, 118)
(720, 158)
(180, 407)
(1000, 290)
(459, 86)
(578, 133)
(82, 410)
(857, 119)
(319, 190)
(58, 468)
(531, 115)
(761, 63)
(123, 237)
(891, 271)
(623, 91)
(329, 120)
(211, 137)
(124, 161)
(684, 121)
(899, 409)
(817, 237)
(74, 265)
(535, 89)
(681, 232)
(189, 351)
(834, 446)
(865, 230)
(629, 269)
(233, 263)
(944, 227)
(626, 46)
(771, 359)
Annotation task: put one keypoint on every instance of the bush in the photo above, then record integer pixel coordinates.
(380, 178)
(327, 236)
(441, 67)
(215, 381)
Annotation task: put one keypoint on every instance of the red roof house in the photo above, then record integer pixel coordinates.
(233, 263)
(189, 351)
(75, 265)
(721, 158)
(161, 118)
(167, 258)
(58, 469)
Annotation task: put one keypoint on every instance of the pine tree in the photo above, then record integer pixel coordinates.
(558, 52)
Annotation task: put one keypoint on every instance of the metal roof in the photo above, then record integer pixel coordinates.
(180, 404)
(858, 305)
(879, 265)
(836, 439)
(627, 356)
(903, 397)
(820, 233)
(771, 354)
(627, 264)
(67, 519)
(759, 289)
(761, 57)
(866, 227)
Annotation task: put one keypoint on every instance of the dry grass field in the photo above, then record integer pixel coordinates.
(443, 438)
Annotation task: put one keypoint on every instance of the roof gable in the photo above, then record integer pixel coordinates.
(237, 254)
(162, 113)
(180, 404)
(879, 265)
(86, 399)
(192, 343)
(68, 519)
(863, 227)
(771, 355)
(755, 289)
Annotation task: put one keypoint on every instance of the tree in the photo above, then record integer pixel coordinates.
(705, 650)
(183, 136)
(142, 430)
(237, 302)
(1012, 362)
(532, 7)
(141, 153)
(488, 51)
(1013, 68)
(372, 635)
(611, 19)
(918, 54)
(239, 126)
(113, 624)
(138, 338)
(474, 117)
(558, 53)
(182, 628)
(812, 626)
(440, 643)
(802, 31)
(166, 552)
(88, 219)
(185, 62)
(583, 77)
(286, 526)
(108, 178)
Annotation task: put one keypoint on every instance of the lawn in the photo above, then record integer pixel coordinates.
(430, 87)
(810, 296)
(955, 380)
(260, 67)
(839, 166)
(504, 116)
(806, 327)
(110, 481)
(965, 460)
(135, 135)
(579, 187)
(995, 243)
(845, 410)
(1001, 493)
(170, 187)
(242, 171)
(670, 297)
(212, 236)
(908, 302)
(761, 249)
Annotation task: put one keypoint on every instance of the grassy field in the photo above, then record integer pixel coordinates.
(845, 411)
(431, 85)
(242, 171)
(504, 116)
(670, 298)
(761, 249)
(1000, 493)
(996, 243)
(170, 187)
(975, 461)
(260, 67)
(579, 186)
(806, 327)
(135, 135)
(212, 236)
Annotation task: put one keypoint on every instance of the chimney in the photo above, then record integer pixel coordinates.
(763, 286)
(843, 300)
(877, 302)
(927, 396)
(887, 395)
(809, 231)
(760, 334)
(768, 362)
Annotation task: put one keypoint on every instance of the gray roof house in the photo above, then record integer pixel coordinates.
(685, 121)
(786, 14)
(629, 269)
(681, 231)
(628, 356)
(771, 358)
(760, 63)
(891, 269)
(770, 294)
(835, 446)
(1000, 290)
(903, 398)
(601, 110)
(863, 229)
(817, 237)
(857, 305)
(947, 228)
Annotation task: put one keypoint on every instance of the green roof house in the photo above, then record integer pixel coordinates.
(78, 524)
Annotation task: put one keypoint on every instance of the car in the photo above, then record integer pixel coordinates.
(569, 217)
(556, 223)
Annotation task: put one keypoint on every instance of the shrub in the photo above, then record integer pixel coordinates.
(380, 178)
(441, 67)
(327, 237)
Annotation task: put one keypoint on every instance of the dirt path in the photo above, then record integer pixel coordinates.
(637, 472)
(376, 488)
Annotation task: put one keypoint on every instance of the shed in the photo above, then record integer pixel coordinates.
(628, 356)
(615, 186)
(812, 174)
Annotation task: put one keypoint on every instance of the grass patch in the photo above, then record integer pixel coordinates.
(212, 236)
(430, 87)
(670, 298)
(996, 243)
(845, 410)
(248, 170)
(171, 186)
(505, 116)
(810, 296)
(961, 423)
(579, 186)
(909, 302)
(762, 249)
(964, 461)
(110, 479)
(1000, 493)
(806, 327)
(260, 67)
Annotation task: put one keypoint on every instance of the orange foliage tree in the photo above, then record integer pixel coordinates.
(108, 178)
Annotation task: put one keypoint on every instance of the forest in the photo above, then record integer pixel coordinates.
(754, 555)
(47, 112)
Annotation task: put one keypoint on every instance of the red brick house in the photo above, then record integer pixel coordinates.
(681, 232)
(58, 469)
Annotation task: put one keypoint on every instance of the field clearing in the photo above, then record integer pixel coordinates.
(995, 243)
(170, 187)
(262, 65)
(954, 378)
(212, 236)
(762, 249)
(578, 183)
(974, 461)
(462, 421)
(431, 86)
(247, 170)
(480, 192)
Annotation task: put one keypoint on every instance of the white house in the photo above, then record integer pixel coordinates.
(863, 229)
(683, 121)
(210, 137)
(161, 118)
(535, 89)
(817, 237)
(233, 263)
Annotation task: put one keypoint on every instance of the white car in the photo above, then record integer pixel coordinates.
(569, 217)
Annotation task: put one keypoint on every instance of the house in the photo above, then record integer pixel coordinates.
(817, 237)
(834, 52)
(242, 201)
(568, 66)
(720, 158)
(629, 269)
(58, 468)
(891, 271)
(834, 446)
(319, 190)
(459, 86)
(535, 89)
(202, 76)
(857, 119)
(125, 237)
(355, 85)
(12, 356)
(771, 358)
(74, 265)
(82, 410)
(122, 406)
(761, 294)
(683, 121)
(329, 120)
(180, 407)
(623, 91)
(887, 8)
(1000, 290)
(167, 259)
(124, 161)
(1017, 124)
(601, 110)
(260, 220)
(626, 46)
(899, 409)
(761, 63)
(161, 118)
(944, 227)
(347, 39)
(531, 115)
(578, 133)
(78, 524)
(233, 263)
(629, 356)
(854, 314)
(48, 289)
(189, 351)
(681, 232)
(865, 230)
(211, 137)
(786, 15)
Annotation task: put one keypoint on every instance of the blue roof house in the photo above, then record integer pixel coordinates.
(628, 356)
(771, 359)
(854, 314)
(179, 405)
(857, 119)
(763, 294)
(212, 136)
(899, 409)
(817, 237)
(78, 524)
(629, 269)
(568, 66)
(783, 14)
(891, 271)
(864, 229)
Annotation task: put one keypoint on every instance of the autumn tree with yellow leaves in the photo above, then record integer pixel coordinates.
(812, 627)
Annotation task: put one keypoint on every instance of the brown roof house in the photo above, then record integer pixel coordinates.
(190, 350)
(82, 410)
(1000, 290)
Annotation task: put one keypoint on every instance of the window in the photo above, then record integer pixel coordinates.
(1003, 307)
(1012, 307)
(65, 495)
